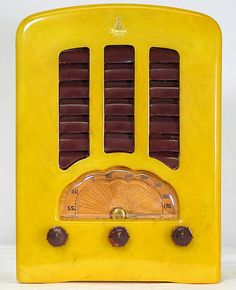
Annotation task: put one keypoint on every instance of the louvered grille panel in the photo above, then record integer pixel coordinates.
(119, 98)
(73, 106)
(164, 106)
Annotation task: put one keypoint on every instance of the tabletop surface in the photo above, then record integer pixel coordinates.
(8, 280)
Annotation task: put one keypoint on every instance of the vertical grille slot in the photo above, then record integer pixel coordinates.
(164, 106)
(119, 98)
(73, 106)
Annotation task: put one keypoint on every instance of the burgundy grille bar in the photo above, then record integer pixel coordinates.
(119, 98)
(164, 106)
(73, 106)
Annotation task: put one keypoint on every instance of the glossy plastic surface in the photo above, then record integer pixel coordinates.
(150, 254)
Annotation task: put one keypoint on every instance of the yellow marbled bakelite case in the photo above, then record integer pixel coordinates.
(144, 198)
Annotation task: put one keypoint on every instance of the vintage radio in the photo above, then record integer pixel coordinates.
(118, 145)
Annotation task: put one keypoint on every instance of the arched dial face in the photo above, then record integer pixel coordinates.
(118, 193)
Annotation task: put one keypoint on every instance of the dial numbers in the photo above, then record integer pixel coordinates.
(141, 195)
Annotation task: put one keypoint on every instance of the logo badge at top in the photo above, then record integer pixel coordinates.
(118, 28)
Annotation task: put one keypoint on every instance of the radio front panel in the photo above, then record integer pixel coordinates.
(118, 145)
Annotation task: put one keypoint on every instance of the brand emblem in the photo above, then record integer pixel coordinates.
(118, 28)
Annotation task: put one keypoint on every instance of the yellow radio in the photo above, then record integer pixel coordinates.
(118, 145)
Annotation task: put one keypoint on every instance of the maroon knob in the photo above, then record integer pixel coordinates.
(181, 236)
(118, 236)
(57, 236)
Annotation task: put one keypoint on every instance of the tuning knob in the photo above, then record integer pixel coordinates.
(181, 236)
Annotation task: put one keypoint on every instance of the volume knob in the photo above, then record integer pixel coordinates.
(57, 236)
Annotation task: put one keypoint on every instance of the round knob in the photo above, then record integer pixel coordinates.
(181, 236)
(118, 236)
(57, 236)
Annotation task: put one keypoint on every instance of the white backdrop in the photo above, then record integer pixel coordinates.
(13, 11)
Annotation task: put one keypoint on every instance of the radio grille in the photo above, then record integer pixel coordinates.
(73, 106)
(164, 106)
(119, 98)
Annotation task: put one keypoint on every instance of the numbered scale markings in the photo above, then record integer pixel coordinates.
(118, 193)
